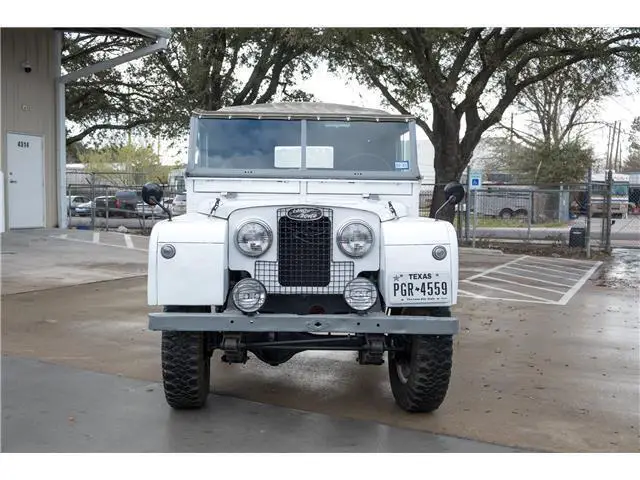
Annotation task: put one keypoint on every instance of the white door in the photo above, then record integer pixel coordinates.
(25, 181)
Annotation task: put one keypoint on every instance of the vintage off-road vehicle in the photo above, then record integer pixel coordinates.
(302, 233)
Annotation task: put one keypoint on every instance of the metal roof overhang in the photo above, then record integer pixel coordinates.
(148, 32)
(159, 37)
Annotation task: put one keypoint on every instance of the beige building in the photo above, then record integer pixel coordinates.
(32, 120)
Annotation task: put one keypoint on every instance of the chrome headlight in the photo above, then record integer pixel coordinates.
(355, 239)
(253, 238)
(249, 295)
(360, 294)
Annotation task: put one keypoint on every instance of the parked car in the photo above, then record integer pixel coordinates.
(117, 206)
(179, 206)
(143, 210)
(126, 202)
(73, 201)
(84, 209)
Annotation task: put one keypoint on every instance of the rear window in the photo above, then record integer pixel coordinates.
(130, 195)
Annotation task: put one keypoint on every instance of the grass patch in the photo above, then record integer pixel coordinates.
(514, 223)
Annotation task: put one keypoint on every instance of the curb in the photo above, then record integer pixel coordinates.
(486, 251)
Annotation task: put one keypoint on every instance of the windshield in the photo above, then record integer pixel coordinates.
(276, 145)
(617, 189)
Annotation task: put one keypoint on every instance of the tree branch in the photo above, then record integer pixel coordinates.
(461, 57)
(262, 66)
(106, 126)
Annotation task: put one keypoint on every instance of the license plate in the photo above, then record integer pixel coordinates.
(420, 287)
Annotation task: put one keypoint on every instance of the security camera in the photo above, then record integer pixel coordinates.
(27, 66)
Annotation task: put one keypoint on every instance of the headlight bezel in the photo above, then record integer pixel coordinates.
(365, 283)
(237, 288)
(341, 243)
(261, 223)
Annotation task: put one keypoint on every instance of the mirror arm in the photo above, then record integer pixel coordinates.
(449, 200)
(164, 209)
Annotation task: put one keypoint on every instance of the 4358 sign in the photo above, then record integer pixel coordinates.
(421, 287)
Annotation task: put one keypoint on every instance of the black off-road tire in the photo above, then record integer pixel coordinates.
(428, 365)
(186, 367)
(505, 214)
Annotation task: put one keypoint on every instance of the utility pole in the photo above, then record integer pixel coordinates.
(616, 167)
(606, 160)
(618, 159)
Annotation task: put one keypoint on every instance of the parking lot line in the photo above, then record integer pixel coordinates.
(529, 270)
(523, 285)
(464, 293)
(551, 269)
(527, 275)
(573, 290)
(68, 239)
(548, 282)
(554, 264)
(473, 277)
(96, 237)
(128, 241)
(493, 287)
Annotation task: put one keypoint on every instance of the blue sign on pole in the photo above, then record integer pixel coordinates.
(476, 180)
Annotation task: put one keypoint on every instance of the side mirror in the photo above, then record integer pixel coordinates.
(151, 193)
(455, 190)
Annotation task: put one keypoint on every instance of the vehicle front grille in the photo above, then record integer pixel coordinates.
(304, 250)
(304, 263)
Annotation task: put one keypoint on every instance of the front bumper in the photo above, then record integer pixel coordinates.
(234, 321)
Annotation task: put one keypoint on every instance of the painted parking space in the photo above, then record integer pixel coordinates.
(551, 281)
(108, 239)
(542, 280)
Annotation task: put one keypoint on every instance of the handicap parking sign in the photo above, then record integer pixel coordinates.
(476, 180)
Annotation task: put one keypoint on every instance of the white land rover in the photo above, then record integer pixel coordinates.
(302, 233)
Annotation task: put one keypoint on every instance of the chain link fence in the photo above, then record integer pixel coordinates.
(556, 215)
(108, 201)
(559, 216)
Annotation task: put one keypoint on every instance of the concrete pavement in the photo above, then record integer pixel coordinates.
(541, 377)
(83, 411)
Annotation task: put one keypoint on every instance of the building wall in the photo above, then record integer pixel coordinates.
(28, 99)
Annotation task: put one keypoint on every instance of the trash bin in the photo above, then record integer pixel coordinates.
(578, 237)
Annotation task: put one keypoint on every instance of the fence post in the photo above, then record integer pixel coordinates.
(106, 212)
(467, 212)
(93, 201)
(607, 245)
(475, 217)
(530, 216)
(588, 232)
(68, 188)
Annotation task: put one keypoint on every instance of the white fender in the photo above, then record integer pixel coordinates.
(407, 261)
(198, 272)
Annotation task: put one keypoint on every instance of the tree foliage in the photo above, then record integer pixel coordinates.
(459, 82)
(205, 68)
(541, 163)
(561, 106)
(127, 165)
(632, 163)
(114, 99)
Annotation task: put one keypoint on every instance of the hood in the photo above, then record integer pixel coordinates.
(226, 206)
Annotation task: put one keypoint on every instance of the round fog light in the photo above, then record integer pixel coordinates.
(439, 252)
(168, 251)
(360, 294)
(249, 295)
